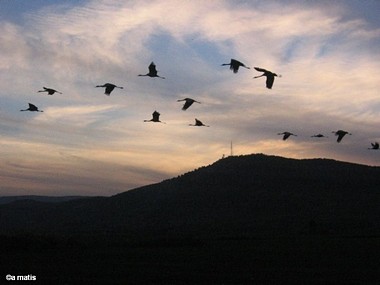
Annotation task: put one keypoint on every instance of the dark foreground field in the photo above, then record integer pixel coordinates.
(308, 259)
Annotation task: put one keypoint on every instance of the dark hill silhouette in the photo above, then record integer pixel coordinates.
(252, 219)
(236, 197)
(51, 199)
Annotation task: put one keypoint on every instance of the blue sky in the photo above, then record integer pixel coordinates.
(87, 143)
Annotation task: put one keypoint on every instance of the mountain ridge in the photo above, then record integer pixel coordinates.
(238, 196)
(49, 199)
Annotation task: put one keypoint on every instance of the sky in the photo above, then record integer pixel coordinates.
(87, 143)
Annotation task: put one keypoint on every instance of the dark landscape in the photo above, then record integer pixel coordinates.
(253, 219)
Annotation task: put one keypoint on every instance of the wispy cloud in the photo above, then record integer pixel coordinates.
(327, 58)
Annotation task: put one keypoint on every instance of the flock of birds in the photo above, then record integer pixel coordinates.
(340, 134)
(234, 66)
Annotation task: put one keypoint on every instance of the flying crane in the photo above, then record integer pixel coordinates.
(32, 108)
(188, 103)
(269, 75)
(152, 71)
(235, 64)
(341, 134)
(286, 135)
(198, 123)
(50, 91)
(109, 88)
(155, 118)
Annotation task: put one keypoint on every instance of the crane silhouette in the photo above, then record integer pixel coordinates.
(49, 91)
(319, 136)
(109, 88)
(269, 75)
(188, 103)
(286, 135)
(198, 123)
(341, 134)
(374, 145)
(235, 64)
(32, 108)
(155, 118)
(152, 71)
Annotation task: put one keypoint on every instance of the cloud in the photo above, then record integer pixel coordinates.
(327, 58)
(50, 170)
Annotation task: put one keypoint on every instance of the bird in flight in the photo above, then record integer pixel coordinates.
(269, 75)
(188, 103)
(341, 134)
(155, 118)
(374, 145)
(198, 123)
(109, 88)
(319, 136)
(235, 64)
(152, 71)
(286, 135)
(49, 91)
(32, 108)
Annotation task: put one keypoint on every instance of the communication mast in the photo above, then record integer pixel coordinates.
(232, 151)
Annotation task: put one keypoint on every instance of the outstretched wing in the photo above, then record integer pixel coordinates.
(340, 137)
(109, 88)
(152, 69)
(156, 116)
(187, 104)
(50, 91)
(270, 80)
(261, 69)
(235, 64)
(286, 135)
